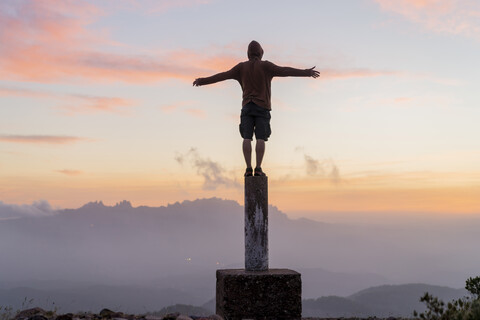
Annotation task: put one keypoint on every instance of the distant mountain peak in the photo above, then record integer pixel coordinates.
(94, 204)
(123, 204)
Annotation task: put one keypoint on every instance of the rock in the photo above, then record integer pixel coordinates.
(25, 314)
(67, 316)
(171, 316)
(106, 313)
(38, 317)
(211, 317)
(183, 317)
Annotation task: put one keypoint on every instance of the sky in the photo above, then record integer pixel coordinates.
(97, 103)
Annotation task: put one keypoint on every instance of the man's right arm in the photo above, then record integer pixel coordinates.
(230, 74)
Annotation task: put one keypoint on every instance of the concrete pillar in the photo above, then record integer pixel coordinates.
(256, 223)
(258, 292)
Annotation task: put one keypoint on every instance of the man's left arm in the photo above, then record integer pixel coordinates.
(278, 71)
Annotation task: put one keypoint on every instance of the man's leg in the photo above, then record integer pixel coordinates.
(260, 151)
(247, 152)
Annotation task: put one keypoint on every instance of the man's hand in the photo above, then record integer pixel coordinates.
(198, 82)
(314, 73)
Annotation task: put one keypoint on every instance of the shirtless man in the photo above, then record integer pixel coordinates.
(255, 77)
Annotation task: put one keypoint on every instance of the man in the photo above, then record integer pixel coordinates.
(255, 77)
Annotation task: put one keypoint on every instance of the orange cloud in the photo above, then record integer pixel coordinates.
(70, 172)
(440, 16)
(40, 139)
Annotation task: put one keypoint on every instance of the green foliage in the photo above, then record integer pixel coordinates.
(473, 286)
(467, 308)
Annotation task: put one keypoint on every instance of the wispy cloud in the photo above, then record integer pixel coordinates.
(36, 209)
(439, 16)
(70, 172)
(213, 173)
(40, 139)
(20, 92)
(322, 168)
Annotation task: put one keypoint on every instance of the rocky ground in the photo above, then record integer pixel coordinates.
(106, 314)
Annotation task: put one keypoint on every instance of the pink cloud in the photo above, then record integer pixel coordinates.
(50, 41)
(88, 104)
(353, 73)
(40, 139)
(440, 16)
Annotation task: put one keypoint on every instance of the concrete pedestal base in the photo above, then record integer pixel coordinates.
(270, 294)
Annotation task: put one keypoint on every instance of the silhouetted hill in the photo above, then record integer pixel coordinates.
(333, 306)
(381, 301)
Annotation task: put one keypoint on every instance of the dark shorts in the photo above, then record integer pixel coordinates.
(255, 119)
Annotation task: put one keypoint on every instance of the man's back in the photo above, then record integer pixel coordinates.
(255, 79)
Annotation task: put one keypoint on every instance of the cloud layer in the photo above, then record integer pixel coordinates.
(45, 41)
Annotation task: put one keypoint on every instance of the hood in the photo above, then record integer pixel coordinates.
(254, 50)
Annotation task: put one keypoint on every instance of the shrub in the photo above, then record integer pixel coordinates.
(467, 308)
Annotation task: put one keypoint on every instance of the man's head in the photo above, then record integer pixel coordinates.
(254, 51)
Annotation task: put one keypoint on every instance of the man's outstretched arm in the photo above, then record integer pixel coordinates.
(230, 74)
(278, 71)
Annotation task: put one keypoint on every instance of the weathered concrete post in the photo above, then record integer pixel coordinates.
(258, 292)
(256, 223)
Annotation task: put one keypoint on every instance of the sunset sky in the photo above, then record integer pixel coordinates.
(97, 103)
